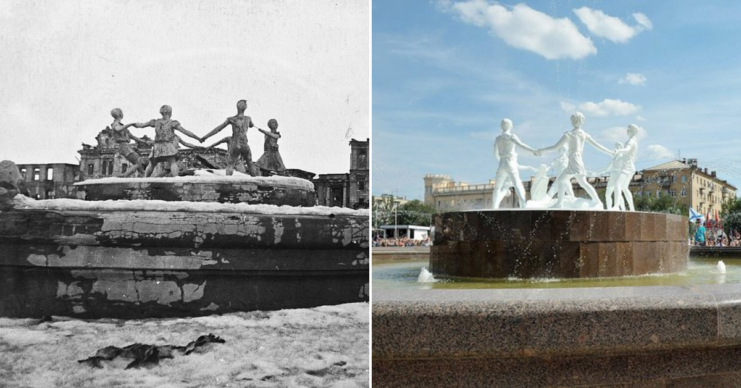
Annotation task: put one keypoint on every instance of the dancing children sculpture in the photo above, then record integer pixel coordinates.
(238, 146)
(575, 140)
(627, 168)
(270, 161)
(613, 170)
(123, 137)
(165, 148)
(505, 151)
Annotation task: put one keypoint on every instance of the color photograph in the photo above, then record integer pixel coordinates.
(554, 193)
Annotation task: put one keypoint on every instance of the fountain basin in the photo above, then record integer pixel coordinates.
(656, 336)
(134, 259)
(526, 243)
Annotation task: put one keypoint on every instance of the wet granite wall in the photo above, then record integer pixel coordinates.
(557, 243)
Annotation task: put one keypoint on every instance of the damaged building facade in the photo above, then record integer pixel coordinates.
(347, 189)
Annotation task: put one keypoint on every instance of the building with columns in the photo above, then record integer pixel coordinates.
(347, 189)
(445, 194)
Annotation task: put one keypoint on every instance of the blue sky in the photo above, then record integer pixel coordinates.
(445, 73)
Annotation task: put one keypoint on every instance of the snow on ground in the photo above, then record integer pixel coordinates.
(23, 202)
(319, 347)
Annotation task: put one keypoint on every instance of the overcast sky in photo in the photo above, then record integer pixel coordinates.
(66, 64)
(445, 73)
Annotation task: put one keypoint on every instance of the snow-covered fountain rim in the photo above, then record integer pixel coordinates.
(24, 203)
(209, 177)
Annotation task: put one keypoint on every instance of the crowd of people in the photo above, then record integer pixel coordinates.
(401, 242)
(710, 237)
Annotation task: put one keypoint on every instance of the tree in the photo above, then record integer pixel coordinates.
(383, 211)
(730, 213)
(661, 204)
(415, 212)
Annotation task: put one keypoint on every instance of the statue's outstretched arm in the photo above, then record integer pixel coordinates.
(215, 130)
(187, 132)
(268, 133)
(144, 125)
(554, 147)
(523, 145)
(224, 140)
(181, 141)
(600, 146)
(138, 140)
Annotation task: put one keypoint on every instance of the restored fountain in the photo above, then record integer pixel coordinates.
(441, 334)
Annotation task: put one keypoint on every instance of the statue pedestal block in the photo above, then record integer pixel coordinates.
(558, 244)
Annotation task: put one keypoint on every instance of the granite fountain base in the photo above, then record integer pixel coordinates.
(557, 244)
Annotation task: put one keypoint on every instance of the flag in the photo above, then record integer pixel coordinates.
(694, 216)
(707, 220)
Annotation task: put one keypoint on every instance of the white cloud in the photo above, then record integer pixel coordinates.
(620, 134)
(633, 79)
(525, 28)
(643, 20)
(609, 107)
(567, 106)
(641, 118)
(610, 27)
(657, 151)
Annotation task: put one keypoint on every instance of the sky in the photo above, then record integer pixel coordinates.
(445, 73)
(66, 64)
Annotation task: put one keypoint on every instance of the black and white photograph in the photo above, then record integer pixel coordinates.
(184, 193)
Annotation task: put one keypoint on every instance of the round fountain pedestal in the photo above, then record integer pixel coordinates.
(239, 188)
(557, 244)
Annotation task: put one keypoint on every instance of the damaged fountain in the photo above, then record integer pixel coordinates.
(182, 246)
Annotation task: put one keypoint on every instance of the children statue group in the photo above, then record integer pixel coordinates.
(166, 142)
(567, 166)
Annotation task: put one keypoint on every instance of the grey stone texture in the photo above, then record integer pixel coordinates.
(136, 264)
(557, 243)
(238, 192)
(612, 337)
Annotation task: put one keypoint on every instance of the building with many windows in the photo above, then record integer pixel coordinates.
(48, 181)
(445, 194)
(347, 189)
(693, 186)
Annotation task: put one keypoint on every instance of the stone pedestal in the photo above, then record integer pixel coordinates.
(557, 244)
(280, 191)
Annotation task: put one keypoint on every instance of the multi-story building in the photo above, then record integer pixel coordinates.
(347, 189)
(693, 186)
(50, 180)
(445, 194)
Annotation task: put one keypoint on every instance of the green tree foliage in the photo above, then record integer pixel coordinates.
(415, 212)
(661, 204)
(383, 211)
(730, 213)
